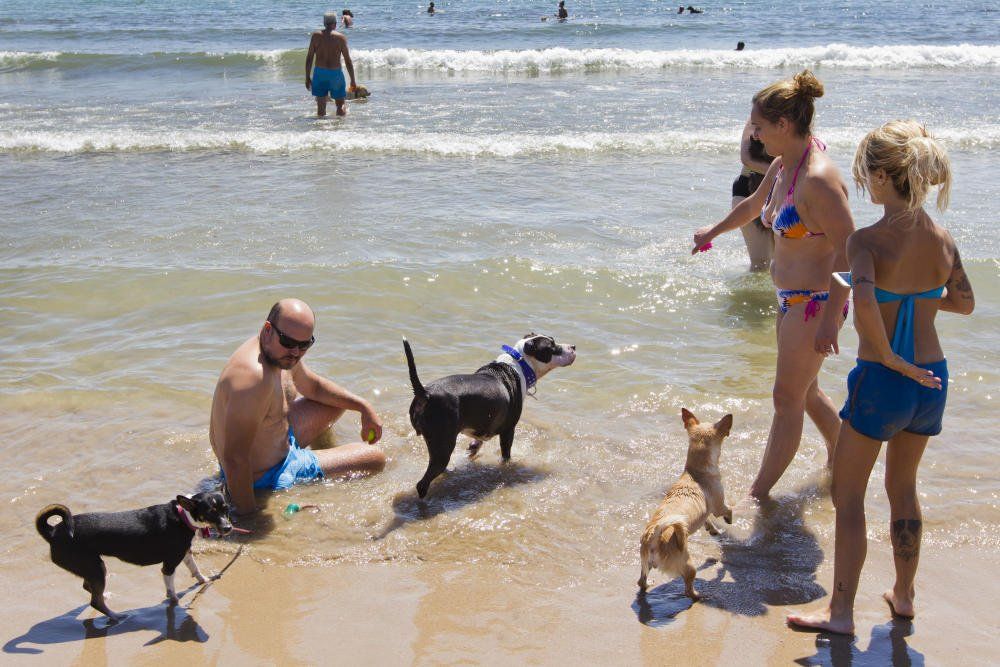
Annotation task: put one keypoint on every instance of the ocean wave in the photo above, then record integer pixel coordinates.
(837, 56)
(441, 144)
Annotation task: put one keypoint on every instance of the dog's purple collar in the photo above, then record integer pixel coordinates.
(203, 531)
(529, 372)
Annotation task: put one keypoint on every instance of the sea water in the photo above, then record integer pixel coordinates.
(163, 180)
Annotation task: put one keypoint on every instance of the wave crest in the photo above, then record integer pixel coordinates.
(441, 144)
(837, 56)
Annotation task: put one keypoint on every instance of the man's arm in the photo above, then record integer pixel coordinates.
(349, 64)
(247, 405)
(327, 392)
(309, 61)
(828, 210)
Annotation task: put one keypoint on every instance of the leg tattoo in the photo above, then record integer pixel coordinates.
(906, 538)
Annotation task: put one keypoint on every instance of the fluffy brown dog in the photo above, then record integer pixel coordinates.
(687, 504)
(359, 92)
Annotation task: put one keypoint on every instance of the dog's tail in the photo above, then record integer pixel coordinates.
(675, 532)
(48, 531)
(418, 389)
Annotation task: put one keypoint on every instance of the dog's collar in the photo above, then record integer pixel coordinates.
(527, 373)
(200, 530)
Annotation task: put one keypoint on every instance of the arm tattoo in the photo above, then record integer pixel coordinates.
(862, 280)
(906, 538)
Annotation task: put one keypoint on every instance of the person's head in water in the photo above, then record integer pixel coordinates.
(348, 12)
(739, 46)
(330, 20)
(901, 154)
(287, 333)
(430, 8)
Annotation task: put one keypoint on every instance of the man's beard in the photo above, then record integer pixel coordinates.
(284, 363)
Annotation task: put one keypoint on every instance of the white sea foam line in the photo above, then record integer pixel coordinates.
(832, 55)
(442, 144)
(903, 56)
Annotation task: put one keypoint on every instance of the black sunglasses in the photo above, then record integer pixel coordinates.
(289, 342)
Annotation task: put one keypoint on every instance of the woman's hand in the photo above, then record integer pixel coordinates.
(921, 376)
(703, 237)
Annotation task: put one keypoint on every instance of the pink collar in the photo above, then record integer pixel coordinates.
(202, 531)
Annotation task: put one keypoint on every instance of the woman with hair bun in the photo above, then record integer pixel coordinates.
(803, 200)
(904, 269)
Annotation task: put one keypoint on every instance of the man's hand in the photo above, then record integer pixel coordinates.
(309, 83)
(370, 423)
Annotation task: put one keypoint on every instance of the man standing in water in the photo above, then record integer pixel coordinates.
(267, 402)
(327, 80)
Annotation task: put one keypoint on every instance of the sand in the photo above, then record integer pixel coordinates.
(261, 613)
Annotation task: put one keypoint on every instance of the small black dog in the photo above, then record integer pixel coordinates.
(482, 404)
(155, 534)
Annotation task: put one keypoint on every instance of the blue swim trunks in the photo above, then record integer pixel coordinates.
(300, 465)
(329, 81)
(881, 402)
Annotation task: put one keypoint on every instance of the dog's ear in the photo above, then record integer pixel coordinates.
(540, 348)
(529, 335)
(186, 503)
(689, 419)
(723, 426)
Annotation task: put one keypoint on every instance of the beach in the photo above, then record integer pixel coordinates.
(164, 181)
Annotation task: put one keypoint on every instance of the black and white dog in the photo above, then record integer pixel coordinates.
(156, 534)
(481, 405)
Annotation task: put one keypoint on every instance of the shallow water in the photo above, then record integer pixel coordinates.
(177, 185)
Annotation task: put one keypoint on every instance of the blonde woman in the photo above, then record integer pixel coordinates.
(803, 200)
(904, 269)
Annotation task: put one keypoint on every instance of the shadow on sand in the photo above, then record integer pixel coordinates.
(456, 489)
(775, 565)
(887, 647)
(171, 621)
(176, 624)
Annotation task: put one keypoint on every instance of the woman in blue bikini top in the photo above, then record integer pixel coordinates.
(898, 390)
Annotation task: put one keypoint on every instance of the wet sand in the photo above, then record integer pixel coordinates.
(392, 613)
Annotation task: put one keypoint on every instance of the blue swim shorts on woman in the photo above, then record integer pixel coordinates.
(881, 402)
(329, 82)
(300, 465)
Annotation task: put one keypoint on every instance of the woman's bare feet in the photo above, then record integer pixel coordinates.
(823, 620)
(900, 605)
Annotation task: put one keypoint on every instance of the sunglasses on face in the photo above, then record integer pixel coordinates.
(289, 343)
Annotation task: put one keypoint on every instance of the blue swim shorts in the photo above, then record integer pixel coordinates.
(329, 81)
(881, 402)
(300, 465)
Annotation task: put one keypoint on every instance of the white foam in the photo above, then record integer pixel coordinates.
(837, 56)
(444, 144)
(964, 56)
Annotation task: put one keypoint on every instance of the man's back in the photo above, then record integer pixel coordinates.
(328, 47)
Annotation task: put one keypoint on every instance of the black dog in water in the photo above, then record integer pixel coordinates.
(481, 405)
(156, 534)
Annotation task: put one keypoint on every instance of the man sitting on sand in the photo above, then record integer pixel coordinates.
(260, 428)
(327, 80)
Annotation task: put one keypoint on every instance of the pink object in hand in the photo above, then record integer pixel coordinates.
(706, 247)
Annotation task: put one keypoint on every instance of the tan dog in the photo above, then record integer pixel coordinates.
(358, 92)
(687, 504)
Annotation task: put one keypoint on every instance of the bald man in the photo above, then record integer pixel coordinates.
(269, 407)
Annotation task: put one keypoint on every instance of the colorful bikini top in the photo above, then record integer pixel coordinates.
(902, 337)
(786, 221)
